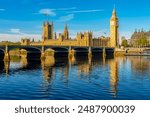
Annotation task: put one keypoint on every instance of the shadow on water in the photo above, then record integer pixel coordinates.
(110, 56)
(83, 58)
(1, 67)
(60, 54)
(61, 61)
(1, 55)
(1, 62)
(31, 65)
(33, 56)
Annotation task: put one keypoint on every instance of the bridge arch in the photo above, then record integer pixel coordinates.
(33, 53)
(109, 52)
(60, 49)
(127, 50)
(97, 49)
(2, 50)
(57, 51)
(1, 54)
(29, 49)
(81, 49)
(109, 49)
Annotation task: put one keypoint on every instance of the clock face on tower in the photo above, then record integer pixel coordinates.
(113, 23)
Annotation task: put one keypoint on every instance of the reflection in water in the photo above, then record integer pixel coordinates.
(113, 76)
(47, 68)
(6, 67)
(140, 64)
(72, 60)
(49, 61)
(79, 77)
(84, 65)
(14, 58)
(24, 61)
(104, 59)
(47, 74)
(1, 66)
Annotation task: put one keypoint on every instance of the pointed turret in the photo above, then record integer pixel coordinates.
(47, 23)
(55, 35)
(114, 10)
(48, 29)
(66, 27)
(114, 14)
(66, 33)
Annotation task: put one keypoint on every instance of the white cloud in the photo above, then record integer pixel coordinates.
(66, 18)
(86, 11)
(15, 31)
(17, 37)
(65, 9)
(2, 9)
(49, 12)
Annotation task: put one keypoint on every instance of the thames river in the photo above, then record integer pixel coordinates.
(79, 78)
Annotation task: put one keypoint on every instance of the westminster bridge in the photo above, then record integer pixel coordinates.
(38, 52)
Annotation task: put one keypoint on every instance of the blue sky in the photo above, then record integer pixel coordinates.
(24, 18)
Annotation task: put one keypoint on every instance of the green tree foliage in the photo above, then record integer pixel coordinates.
(142, 41)
(3, 43)
(124, 43)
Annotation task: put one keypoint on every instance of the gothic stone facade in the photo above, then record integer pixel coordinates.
(82, 39)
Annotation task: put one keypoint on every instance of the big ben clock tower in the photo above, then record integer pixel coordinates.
(114, 36)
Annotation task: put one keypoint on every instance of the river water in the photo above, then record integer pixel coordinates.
(76, 78)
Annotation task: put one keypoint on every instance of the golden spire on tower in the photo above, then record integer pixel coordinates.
(114, 13)
(66, 33)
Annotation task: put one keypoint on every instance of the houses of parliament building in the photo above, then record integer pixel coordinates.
(82, 39)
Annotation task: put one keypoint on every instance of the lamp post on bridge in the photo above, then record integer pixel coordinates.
(90, 52)
(42, 52)
(71, 52)
(6, 55)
